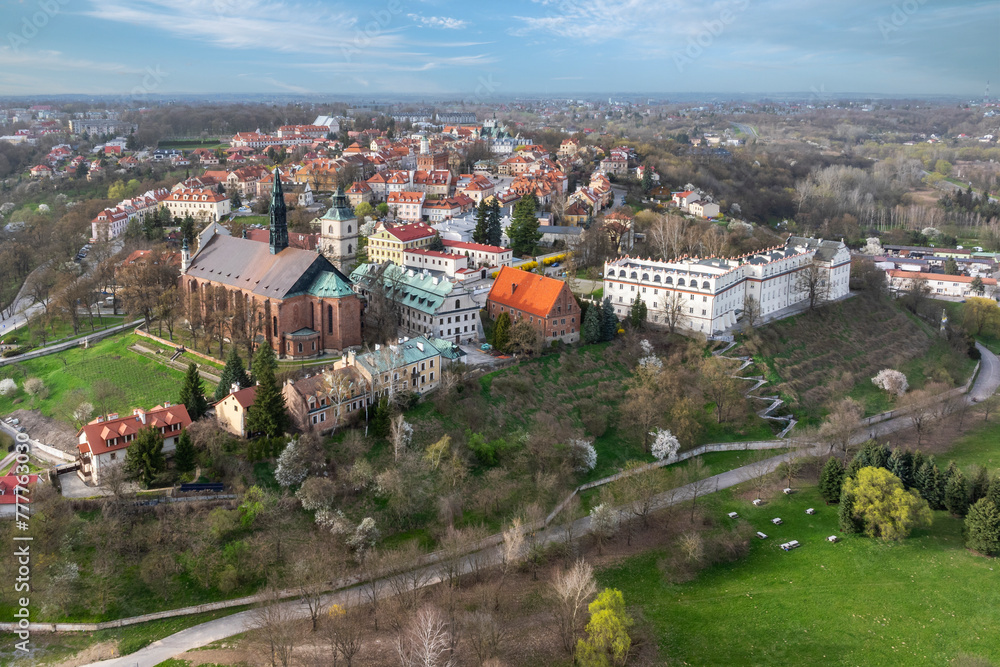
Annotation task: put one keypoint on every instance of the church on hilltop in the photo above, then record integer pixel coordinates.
(301, 303)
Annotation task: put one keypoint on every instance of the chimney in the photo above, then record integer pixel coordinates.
(513, 287)
(234, 387)
(140, 414)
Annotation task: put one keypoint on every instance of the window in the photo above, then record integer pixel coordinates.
(691, 311)
(300, 347)
(274, 325)
(114, 455)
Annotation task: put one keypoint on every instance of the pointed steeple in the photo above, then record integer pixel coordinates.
(185, 255)
(279, 223)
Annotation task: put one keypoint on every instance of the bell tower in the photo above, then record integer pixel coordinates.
(339, 232)
(279, 223)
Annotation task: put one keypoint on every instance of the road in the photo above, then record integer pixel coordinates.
(205, 633)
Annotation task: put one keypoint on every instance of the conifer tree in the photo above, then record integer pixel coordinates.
(192, 394)
(267, 414)
(233, 373)
(494, 226)
(936, 488)
(993, 493)
(609, 321)
(144, 457)
(592, 325)
(979, 484)
(849, 524)
(185, 454)
(831, 480)
(501, 332)
(637, 314)
(480, 233)
(982, 528)
(382, 420)
(956, 494)
(523, 231)
(901, 465)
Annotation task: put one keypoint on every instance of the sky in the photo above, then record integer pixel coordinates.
(485, 50)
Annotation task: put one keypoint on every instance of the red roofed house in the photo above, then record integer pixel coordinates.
(388, 241)
(940, 284)
(9, 494)
(359, 192)
(103, 441)
(231, 411)
(41, 171)
(407, 206)
(546, 303)
(480, 254)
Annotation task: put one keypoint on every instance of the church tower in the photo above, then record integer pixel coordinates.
(279, 223)
(339, 232)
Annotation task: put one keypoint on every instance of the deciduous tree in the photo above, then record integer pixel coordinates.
(608, 641)
(883, 506)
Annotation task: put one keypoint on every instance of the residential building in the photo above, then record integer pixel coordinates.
(231, 411)
(940, 284)
(708, 295)
(545, 303)
(480, 254)
(411, 365)
(200, 204)
(420, 259)
(428, 304)
(359, 192)
(388, 241)
(703, 209)
(407, 206)
(103, 442)
(321, 402)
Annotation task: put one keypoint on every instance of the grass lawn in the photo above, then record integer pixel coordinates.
(53, 648)
(859, 602)
(31, 335)
(981, 446)
(70, 377)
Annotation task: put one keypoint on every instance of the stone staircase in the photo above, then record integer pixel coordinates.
(774, 401)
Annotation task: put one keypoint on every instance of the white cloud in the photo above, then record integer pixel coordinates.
(440, 22)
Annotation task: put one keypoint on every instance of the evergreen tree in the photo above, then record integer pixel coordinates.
(501, 332)
(982, 528)
(637, 314)
(879, 456)
(382, 421)
(592, 325)
(920, 480)
(993, 493)
(831, 479)
(979, 484)
(901, 465)
(188, 229)
(609, 321)
(523, 231)
(233, 373)
(267, 414)
(936, 488)
(494, 226)
(849, 524)
(479, 234)
(192, 393)
(647, 178)
(144, 457)
(956, 494)
(185, 454)
(918, 460)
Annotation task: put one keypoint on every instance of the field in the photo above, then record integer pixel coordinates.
(70, 377)
(59, 330)
(818, 357)
(919, 602)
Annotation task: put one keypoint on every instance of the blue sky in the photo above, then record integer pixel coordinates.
(478, 50)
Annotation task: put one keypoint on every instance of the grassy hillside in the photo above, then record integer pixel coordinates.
(921, 601)
(816, 358)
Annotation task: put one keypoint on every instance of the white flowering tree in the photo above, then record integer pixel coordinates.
(584, 455)
(603, 524)
(873, 246)
(334, 521)
(665, 445)
(7, 386)
(364, 537)
(292, 466)
(401, 435)
(891, 381)
(83, 412)
(649, 361)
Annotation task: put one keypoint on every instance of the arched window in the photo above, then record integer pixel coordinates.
(331, 229)
(350, 248)
(329, 319)
(611, 273)
(274, 325)
(705, 285)
(621, 274)
(348, 229)
(656, 278)
(635, 276)
(645, 276)
(680, 282)
(458, 304)
(668, 281)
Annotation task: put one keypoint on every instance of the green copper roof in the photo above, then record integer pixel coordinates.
(329, 285)
(340, 208)
(390, 357)
(421, 291)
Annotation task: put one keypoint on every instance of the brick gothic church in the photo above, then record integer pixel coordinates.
(304, 306)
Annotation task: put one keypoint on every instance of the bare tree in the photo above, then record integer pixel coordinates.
(485, 632)
(673, 310)
(667, 235)
(427, 641)
(571, 589)
(406, 578)
(512, 553)
(811, 282)
(637, 489)
(751, 312)
(345, 628)
(841, 424)
(720, 386)
(922, 410)
(275, 629)
(700, 482)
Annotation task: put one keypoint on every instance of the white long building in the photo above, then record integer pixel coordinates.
(711, 291)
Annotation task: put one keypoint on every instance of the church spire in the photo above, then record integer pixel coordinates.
(279, 224)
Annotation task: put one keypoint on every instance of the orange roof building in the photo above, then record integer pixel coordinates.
(545, 303)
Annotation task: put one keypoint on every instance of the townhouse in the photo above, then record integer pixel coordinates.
(545, 303)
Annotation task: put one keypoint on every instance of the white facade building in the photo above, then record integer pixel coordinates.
(711, 292)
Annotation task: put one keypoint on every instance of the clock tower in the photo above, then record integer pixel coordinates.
(339, 232)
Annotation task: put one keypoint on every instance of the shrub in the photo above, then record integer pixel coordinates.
(34, 386)
(7, 387)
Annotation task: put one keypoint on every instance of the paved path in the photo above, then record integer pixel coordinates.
(205, 633)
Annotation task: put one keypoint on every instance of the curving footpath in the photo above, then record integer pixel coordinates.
(986, 385)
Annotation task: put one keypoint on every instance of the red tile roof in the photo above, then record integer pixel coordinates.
(411, 232)
(99, 432)
(8, 483)
(462, 245)
(245, 396)
(895, 273)
(527, 292)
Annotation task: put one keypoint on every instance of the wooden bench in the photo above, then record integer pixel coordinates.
(833, 539)
(787, 491)
(810, 511)
(761, 535)
(776, 521)
(733, 515)
(758, 502)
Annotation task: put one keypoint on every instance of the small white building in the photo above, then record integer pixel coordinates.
(480, 254)
(940, 284)
(432, 260)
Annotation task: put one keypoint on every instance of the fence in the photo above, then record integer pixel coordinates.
(61, 347)
(145, 334)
